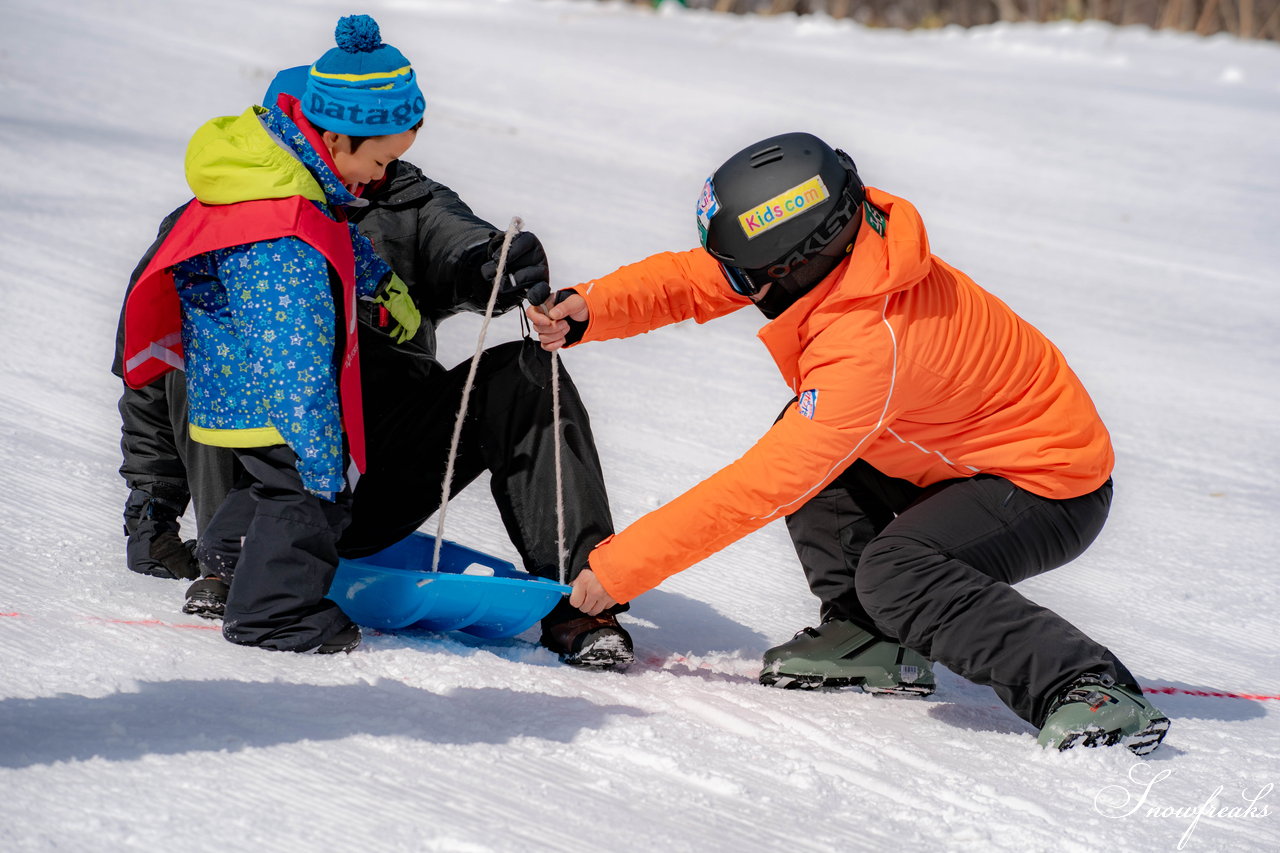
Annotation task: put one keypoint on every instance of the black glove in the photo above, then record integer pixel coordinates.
(526, 275)
(154, 547)
(577, 328)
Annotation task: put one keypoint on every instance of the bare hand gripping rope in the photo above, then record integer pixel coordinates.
(512, 230)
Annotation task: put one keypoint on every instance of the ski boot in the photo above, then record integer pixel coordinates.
(840, 654)
(345, 641)
(207, 598)
(591, 642)
(1095, 711)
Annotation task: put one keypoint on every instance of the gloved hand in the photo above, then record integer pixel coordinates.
(526, 274)
(564, 323)
(395, 296)
(154, 547)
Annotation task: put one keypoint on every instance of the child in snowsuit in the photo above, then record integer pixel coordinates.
(938, 451)
(267, 271)
(446, 255)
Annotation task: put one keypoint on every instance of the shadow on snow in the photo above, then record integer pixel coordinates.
(211, 716)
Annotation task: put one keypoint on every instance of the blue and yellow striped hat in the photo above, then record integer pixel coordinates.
(362, 87)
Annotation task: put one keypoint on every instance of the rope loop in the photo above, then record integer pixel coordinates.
(512, 229)
(561, 554)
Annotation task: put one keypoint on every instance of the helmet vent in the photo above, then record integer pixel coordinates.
(772, 154)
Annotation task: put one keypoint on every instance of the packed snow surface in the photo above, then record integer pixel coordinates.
(1117, 187)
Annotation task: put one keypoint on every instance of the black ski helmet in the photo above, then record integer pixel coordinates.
(783, 211)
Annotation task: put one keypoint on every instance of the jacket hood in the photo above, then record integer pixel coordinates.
(891, 252)
(237, 158)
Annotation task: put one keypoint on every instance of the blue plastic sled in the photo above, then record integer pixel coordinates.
(473, 591)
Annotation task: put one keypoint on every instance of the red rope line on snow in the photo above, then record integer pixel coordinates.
(147, 623)
(152, 623)
(1214, 693)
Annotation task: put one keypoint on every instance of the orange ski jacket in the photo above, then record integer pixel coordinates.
(896, 358)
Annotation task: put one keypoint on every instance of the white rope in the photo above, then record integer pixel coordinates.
(561, 550)
(555, 427)
(514, 227)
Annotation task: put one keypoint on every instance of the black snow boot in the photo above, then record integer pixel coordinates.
(591, 642)
(345, 641)
(207, 598)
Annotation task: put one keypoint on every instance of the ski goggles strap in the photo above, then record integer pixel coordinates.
(744, 282)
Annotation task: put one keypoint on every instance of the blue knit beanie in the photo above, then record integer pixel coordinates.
(362, 87)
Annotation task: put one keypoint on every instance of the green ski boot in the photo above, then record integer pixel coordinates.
(1095, 711)
(840, 654)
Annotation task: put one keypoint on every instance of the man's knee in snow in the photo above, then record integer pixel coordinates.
(888, 579)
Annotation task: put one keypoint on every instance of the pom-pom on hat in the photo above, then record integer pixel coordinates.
(362, 87)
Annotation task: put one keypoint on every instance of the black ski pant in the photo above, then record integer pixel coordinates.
(281, 570)
(159, 456)
(411, 403)
(933, 568)
(507, 431)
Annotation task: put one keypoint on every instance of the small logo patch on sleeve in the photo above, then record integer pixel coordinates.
(809, 403)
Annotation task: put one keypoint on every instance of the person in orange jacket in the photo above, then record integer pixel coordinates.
(937, 451)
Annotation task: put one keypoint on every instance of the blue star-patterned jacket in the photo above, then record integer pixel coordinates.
(258, 320)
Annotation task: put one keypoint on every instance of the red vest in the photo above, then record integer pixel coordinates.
(153, 318)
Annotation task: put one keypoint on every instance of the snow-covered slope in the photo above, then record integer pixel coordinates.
(1117, 187)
